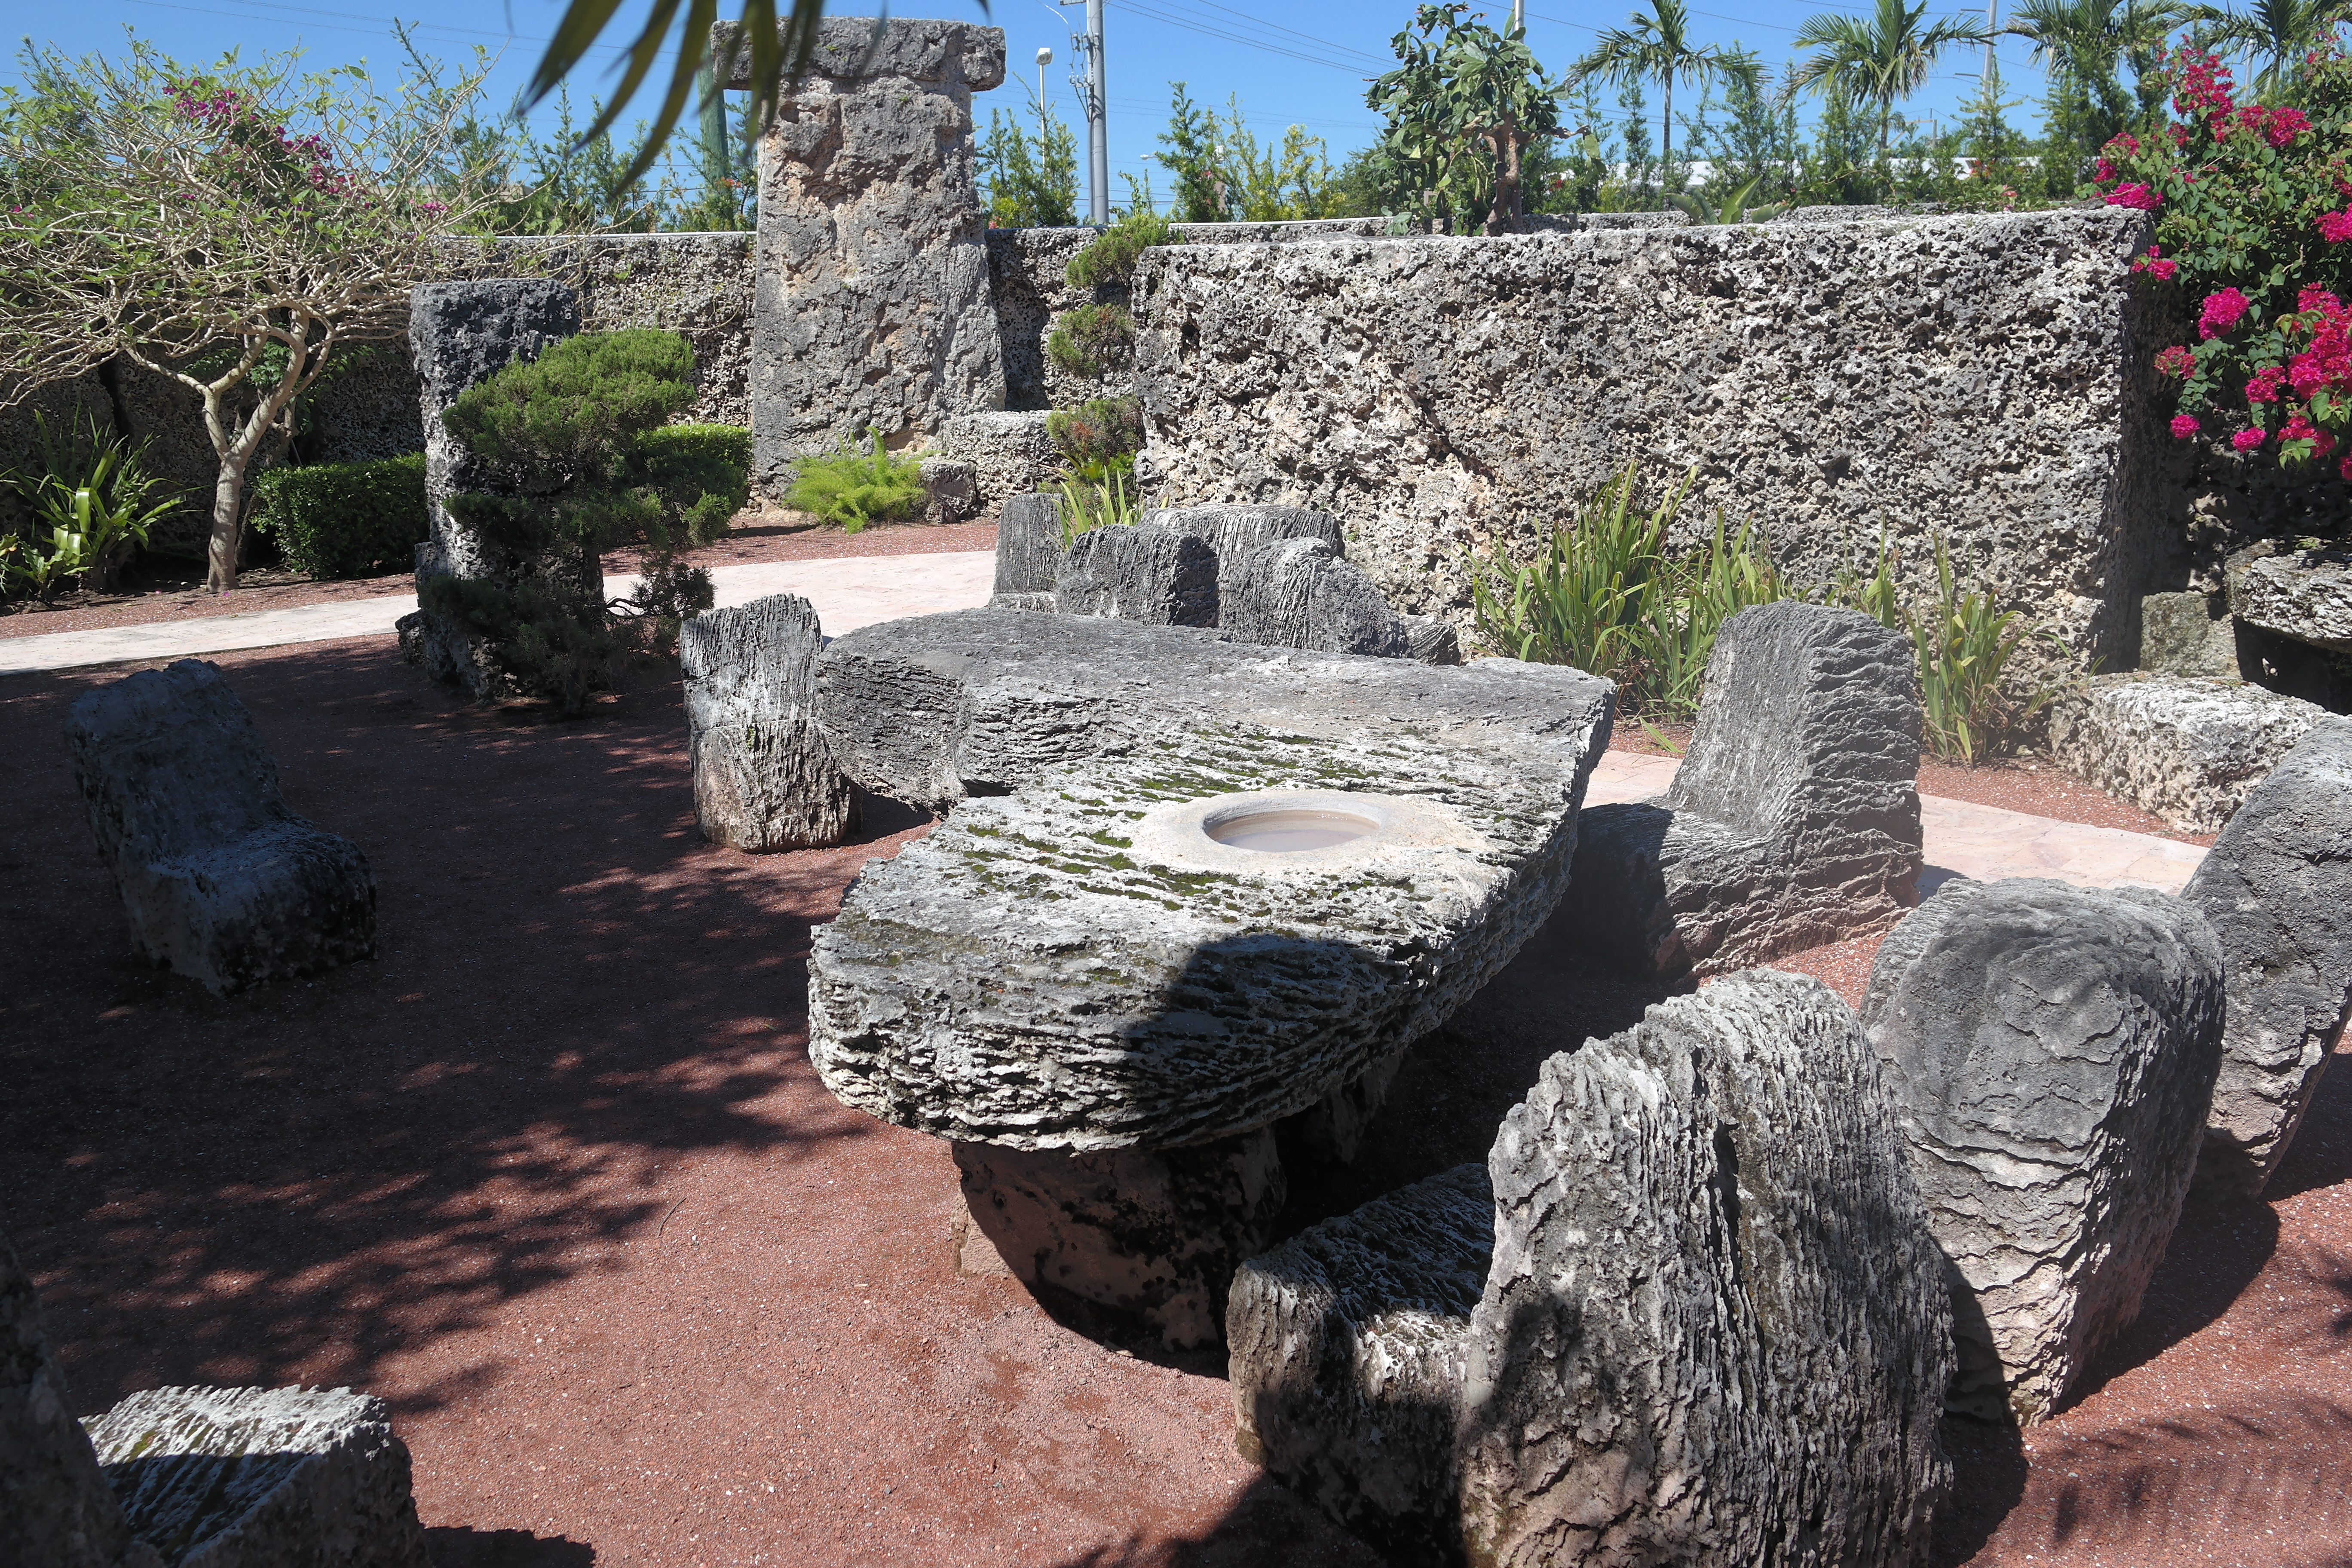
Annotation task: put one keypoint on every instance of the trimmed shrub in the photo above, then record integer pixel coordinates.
(703, 472)
(345, 519)
(1099, 436)
(589, 467)
(1093, 341)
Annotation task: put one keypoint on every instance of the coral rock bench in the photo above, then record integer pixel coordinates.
(222, 881)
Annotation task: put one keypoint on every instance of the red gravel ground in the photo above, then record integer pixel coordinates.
(552, 1175)
(758, 536)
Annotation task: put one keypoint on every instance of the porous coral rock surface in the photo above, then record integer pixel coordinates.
(1447, 395)
(2189, 750)
(2277, 890)
(1045, 971)
(2052, 1050)
(872, 310)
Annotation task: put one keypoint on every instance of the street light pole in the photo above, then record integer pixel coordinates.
(1044, 58)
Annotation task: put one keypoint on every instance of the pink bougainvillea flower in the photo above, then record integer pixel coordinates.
(2343, 469)
(2246, 440)
(2125, 143)
(2336, 227)
(2177, 360)
(2137, 195)
(2224, 309)
(2263, 386)
(2154, 263)
(2105, 171)
(2184, 425)
(2301, 429)
(2283, 126)
(2314, 297)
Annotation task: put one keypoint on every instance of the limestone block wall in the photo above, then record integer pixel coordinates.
(1980, 376)
(1027, 282)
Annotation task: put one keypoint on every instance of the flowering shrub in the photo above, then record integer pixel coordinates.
(2252, 206)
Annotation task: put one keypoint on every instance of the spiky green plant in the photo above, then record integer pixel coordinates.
(92, 503)
(853, 487)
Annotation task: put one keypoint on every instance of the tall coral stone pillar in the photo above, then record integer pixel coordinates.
(872, 304)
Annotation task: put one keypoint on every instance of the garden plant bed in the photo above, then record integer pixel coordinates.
(759, 536)
(553, 1176)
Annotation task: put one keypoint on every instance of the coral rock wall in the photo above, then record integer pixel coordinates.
(1978, 376)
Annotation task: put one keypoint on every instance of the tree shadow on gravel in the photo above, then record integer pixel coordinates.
(458, 1547)
(292, 1183)
(1268, 1523)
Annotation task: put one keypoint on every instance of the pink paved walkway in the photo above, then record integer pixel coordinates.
(1984, 842)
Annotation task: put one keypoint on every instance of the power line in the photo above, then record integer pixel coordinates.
(1232, 37)
(384, 23)
(1309, 38)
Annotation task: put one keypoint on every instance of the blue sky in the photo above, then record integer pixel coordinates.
(1305, 62)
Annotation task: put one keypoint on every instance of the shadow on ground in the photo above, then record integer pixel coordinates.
(284, 1185)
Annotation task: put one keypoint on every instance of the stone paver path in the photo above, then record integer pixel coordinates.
(1963, 840)
(849, 592)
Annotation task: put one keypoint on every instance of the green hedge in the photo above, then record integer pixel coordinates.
(357, 520)
(346, 520)
(702, 469)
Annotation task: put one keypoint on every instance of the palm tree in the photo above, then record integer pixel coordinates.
(1656, 47)
(1878, 60)
(2278, 33)
(2080, 43)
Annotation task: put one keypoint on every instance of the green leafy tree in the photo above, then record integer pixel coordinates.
(1656, 46)
(1033, 181)
(1877, 60)
(228, 228)
(1463, 106)
(1222, 173)
(1755, 139)
(1188, 150)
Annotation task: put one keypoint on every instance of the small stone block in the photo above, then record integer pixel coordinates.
(2191, 751)
(263, 1478)
(1140, 574)
(764, 778)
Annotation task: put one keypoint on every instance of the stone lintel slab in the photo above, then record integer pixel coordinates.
(932, 709)
(922, 50)
(1064, 968)
(2305, 596)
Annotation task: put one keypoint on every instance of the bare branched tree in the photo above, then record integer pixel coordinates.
(228, 228)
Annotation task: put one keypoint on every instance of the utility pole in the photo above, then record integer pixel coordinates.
(1087, 76)
(1992, 26)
